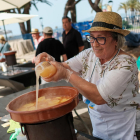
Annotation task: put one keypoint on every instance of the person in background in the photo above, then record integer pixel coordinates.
(51, 46)
(4, 47)
(72, 39)
(36, 37)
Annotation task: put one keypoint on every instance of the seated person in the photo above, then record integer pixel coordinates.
(4, 47)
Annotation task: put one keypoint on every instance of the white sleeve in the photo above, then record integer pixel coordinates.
(75, 63)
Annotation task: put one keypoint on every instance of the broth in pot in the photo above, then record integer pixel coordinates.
(44, 103)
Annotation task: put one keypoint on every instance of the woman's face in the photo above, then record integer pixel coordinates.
(108, 49)
(0, 41)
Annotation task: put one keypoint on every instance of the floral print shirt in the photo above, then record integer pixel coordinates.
(116, 81)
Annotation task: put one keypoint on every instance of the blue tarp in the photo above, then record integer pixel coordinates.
(82, 26)
(28, 36)
(78, 26)
(133, 39)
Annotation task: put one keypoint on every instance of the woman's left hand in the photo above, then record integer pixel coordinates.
(60, 74)
(43, 57)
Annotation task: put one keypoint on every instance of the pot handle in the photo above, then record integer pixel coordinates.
(23, 130)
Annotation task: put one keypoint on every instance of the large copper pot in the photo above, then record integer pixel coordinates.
(44, 114)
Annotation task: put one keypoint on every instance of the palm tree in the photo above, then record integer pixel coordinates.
(137, 8)
(95, 5)
(123, 6)
(100, 5)
(71, 6)
(132, 5)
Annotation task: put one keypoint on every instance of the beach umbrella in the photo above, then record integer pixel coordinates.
(9, 18)
(12, 4)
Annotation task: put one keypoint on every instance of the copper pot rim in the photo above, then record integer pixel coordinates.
(9, 52)
(43, 109)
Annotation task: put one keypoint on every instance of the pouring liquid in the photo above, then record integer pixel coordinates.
(47, 72)
(37, 86)
(43, 102)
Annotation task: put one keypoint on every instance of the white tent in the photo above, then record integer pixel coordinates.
(9, 18)
(12, 4)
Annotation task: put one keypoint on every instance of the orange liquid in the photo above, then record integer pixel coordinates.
(48, 71)
(44, 102)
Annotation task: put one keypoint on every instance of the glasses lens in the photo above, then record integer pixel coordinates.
(101, 40)
(88, 38)
(92, 39)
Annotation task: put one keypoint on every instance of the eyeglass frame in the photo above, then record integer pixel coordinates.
(95, 38)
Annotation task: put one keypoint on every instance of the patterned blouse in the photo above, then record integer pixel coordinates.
(116, 80)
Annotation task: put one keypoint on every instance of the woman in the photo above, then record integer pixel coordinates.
(107, 77)
(4, 47)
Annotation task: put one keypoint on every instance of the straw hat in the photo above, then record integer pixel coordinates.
(108, 21)
(2, 37)
(34, 31)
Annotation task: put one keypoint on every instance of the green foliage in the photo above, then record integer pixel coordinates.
(126, 25)
(123, 6)
(110, 1)
(137, 7)
(132, 4)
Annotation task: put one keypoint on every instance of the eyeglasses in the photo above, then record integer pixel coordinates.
(100, 40)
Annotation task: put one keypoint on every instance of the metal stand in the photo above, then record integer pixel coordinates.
(88, 130)
(58, 129)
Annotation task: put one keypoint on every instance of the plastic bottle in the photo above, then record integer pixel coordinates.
(21, 137)
(4, 66)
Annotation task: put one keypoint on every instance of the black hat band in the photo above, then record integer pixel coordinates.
(106, 25)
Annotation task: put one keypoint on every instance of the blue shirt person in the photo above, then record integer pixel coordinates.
(4, 47)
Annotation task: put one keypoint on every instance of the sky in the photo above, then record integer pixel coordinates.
(52, 15)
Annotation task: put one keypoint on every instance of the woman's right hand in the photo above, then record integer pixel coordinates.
(43, 57)
(61, 73)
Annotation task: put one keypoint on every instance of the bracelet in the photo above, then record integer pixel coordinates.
(69, 75)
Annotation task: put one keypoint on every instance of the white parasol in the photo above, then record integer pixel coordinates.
(12, 4)
(9, 18)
